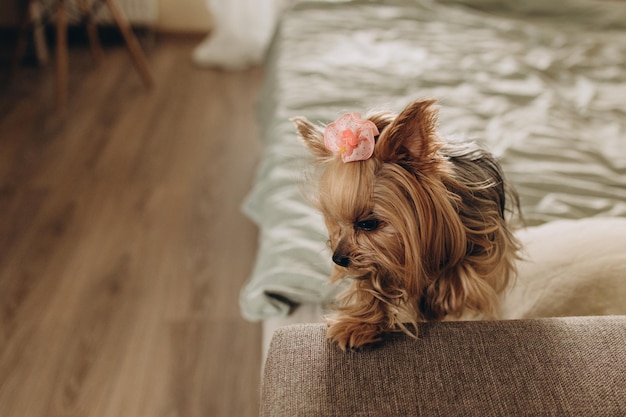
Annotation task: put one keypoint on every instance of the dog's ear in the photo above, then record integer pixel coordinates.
(313, 138)
(411, 136)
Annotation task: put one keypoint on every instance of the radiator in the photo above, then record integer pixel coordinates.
(141, 12)
(138, 12)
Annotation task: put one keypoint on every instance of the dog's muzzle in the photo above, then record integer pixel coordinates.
(341, 260)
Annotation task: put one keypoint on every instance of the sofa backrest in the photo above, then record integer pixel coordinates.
(573, 366)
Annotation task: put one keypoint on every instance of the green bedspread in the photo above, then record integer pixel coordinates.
(542, 83)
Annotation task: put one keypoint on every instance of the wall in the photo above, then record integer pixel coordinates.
(184, 16)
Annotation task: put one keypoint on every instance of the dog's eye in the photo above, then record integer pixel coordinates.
(367, 225)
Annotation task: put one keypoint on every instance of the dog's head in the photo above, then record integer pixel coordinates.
(415, 218)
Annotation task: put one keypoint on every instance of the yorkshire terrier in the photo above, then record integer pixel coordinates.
(420, 226)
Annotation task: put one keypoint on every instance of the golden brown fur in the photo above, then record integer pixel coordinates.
(419, 228)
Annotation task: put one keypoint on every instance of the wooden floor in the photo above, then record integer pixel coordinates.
(122, 246)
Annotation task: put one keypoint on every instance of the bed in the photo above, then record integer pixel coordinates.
(541, 83)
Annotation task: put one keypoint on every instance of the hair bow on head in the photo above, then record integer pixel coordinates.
(351, 137)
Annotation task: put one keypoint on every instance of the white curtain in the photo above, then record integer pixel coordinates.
(241, 34)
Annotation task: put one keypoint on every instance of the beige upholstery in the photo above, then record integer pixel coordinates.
(544, 367)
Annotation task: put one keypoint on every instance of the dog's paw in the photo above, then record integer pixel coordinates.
(353, 335)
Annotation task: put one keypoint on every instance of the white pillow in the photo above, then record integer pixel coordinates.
(570, 268)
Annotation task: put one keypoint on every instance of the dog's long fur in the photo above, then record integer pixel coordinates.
(441, 246)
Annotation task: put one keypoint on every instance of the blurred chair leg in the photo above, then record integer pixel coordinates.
(39, 33)
(131, 42)
(32, 15)
(20, 46)
(62, 55)
(92, 31)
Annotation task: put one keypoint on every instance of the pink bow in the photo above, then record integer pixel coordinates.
(351, 137)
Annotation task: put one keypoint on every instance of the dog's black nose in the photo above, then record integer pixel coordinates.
(341, 260)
